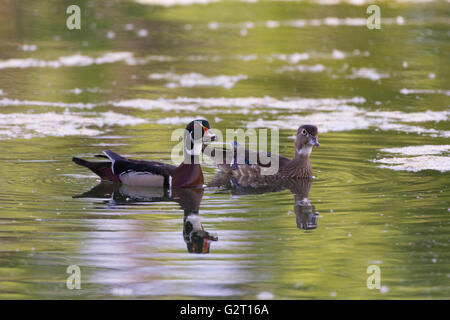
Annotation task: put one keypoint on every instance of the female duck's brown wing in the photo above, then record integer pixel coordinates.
(229, 160)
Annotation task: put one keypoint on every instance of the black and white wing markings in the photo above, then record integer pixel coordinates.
(140, 173)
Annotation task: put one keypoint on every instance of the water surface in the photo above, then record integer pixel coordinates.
(136, 71)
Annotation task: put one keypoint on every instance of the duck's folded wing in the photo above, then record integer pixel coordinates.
(262, 159)
(140, 173)
(121, 164)
(241, 155)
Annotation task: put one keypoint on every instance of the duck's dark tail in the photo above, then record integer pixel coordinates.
(102, 169)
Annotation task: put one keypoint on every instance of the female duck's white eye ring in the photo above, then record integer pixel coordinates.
(304, 132)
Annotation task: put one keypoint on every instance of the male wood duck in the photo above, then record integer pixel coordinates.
(297, 167)
(157, 174)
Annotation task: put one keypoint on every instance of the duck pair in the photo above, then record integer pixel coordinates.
(189, 173)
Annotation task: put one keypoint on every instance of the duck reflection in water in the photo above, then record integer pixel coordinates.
(197, 239)
(306, 216)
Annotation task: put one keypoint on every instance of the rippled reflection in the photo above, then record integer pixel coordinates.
(197, 239)
(306, 216)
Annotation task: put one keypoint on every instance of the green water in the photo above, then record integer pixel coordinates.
(366, 90)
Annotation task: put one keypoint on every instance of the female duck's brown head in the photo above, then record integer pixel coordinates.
(306, 139)
(299, 166)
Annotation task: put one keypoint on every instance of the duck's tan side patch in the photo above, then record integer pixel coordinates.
(142, 179)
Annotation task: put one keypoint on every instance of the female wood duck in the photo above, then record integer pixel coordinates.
(297, 167)
(157, 174)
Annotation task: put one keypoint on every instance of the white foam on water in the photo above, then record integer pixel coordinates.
(348, 118)
(119, 291)
(159, 104)
(177, 120)
(424, 116)
(248, 57)
(417, 1)
(111, 34)
(170, 3)
(5, 102)
(213, 25)
(358, 2)
(328, 21)
(30, 125)
(424, 91)
(367, 73)
(142, 33)
(193, 79)
(28, 47)
(335, 2)
(108, 144)
(416, 164)
(302, 23)
(272, 24)
(329, 114)
(75, 91)
(265, 295)
(326, 121)
(253, 105)
(399, 127)
(338, 54)
(303, 68)
(291, 58)
(78, 91)
(419, 150)
(297, 57)
(76, 60)
(248, 25)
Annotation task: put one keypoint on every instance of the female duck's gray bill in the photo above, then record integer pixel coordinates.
(314, 142)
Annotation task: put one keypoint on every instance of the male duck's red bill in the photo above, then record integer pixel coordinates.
(152, 173)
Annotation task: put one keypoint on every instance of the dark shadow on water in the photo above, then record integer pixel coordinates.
(196, 238)
(306, 216)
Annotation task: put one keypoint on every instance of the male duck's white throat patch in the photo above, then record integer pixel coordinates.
(196, 151)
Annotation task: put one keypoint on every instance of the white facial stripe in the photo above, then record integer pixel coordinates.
(112, 162)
